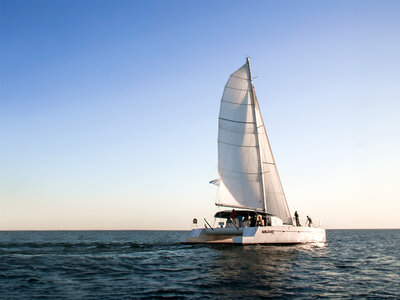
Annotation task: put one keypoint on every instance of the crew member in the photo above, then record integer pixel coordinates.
(309, 221)
(296, 215)
(233, 214)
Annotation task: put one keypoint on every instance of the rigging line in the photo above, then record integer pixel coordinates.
(242, 122)
(233, 88)
(280, 187)
(236, 145)
(269, 163)
(236, 103)
(254, 99)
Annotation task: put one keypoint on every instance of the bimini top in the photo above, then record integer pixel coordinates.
(226, 214)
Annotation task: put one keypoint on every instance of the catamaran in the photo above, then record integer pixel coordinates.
(249, 183)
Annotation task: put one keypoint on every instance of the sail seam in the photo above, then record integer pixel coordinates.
(236, 103)
(235, 131)
(251, 173)
(233, 88)
(236, 145)
(243, 122)
(239, 77)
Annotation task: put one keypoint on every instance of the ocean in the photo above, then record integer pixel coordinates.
(153, 264)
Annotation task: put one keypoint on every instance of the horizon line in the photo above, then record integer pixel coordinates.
(13, 230)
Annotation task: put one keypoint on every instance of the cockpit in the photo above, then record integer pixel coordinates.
(246, 218)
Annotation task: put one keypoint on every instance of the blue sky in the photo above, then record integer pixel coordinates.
(108, 113)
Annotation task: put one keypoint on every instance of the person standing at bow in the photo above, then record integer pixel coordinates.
(296, 215)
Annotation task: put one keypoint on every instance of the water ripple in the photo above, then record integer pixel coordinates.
(153, 264)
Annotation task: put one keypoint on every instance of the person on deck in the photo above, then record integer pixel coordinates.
(234, 219)
(253, 221)
(233, 214)
(309, 221)
(296, 215)
(260, 221)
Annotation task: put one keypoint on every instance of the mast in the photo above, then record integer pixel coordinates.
(257, 135)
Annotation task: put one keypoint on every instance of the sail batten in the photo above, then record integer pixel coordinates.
(236, 145)
(249, 178)
(236, 121)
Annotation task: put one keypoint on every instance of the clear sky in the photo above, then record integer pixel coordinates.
(108, 113)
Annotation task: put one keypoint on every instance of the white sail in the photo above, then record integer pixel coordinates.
(249, 178)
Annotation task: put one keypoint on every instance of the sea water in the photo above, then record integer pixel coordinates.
(152, 264)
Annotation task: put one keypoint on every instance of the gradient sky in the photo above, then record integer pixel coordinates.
(108, 113)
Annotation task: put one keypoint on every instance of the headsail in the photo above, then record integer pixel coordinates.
(249, 178)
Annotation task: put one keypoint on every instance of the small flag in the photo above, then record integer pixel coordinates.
(216, 181)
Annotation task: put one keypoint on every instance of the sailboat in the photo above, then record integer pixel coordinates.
(249, 183)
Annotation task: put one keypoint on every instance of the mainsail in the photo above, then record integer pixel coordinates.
(249, 177)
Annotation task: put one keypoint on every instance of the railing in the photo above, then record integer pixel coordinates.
(208, 224)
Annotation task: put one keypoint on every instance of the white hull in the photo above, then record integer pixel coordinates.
(258, 235)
